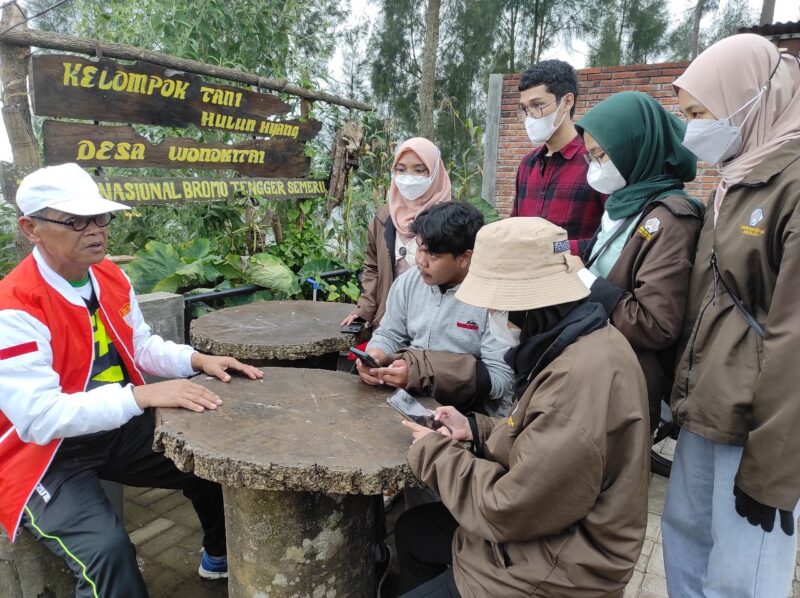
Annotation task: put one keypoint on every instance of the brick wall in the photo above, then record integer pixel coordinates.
(595, 85)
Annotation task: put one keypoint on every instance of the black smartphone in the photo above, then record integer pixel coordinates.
(354, 328)
(365, 358)
(413, 410)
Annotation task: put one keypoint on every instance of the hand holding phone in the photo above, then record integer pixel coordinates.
(365, 357)
(414, 411)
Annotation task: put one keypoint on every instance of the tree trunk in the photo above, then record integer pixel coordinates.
(699, 9)
(427, 86)
(16, 113)
(535, 40)
(767, 12)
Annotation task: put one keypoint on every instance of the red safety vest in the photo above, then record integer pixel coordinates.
(23, 464)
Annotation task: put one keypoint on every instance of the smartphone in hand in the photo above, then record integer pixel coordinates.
(365, 357)
(413, 410)
(354, 328)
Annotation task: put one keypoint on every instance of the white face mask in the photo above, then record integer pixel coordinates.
(714, 141)
(498, 326)
(605, 177)
(413, 186)
(540, 130)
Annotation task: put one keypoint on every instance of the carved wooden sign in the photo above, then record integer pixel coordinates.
(139, 191)
(121, 146)
(67, 86)
(159, 191)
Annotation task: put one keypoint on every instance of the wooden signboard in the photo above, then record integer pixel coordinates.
(121, 146)
(138, 191)
(141, 191)
(67, 86)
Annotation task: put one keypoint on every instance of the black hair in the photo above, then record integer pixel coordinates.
(448, 227)
(557, 76)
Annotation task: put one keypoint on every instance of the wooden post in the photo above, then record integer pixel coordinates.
(345, 157)
(16, 113)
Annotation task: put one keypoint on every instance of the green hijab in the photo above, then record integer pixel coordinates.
(645, 143)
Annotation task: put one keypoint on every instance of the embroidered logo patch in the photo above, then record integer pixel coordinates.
(652, 225)
(560, 246)
(468, 325)
(43, 492)
(125, 313)
(642, 232)
(751, 229)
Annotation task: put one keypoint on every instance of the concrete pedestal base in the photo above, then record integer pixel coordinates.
(29, 570)
(283, 544)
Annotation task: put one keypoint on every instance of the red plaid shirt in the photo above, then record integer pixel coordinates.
(555, 188)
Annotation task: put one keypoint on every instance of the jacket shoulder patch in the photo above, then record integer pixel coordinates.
(17, 350)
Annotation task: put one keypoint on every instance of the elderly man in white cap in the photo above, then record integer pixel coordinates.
(73, 405)
(551, 501)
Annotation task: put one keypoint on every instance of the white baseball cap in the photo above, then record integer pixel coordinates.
(67, 188)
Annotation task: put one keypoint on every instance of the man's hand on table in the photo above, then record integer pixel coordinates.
(216, 366)
(451, 418)
(364, 371)
(176, 393)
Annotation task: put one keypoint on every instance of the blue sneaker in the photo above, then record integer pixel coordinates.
(213, 567)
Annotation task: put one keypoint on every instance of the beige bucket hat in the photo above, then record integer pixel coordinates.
(520, 264)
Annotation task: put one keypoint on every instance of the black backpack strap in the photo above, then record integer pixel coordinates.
(748, 317)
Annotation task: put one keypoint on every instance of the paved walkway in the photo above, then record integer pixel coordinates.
(164, 529)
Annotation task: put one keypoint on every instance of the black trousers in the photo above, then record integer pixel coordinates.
(424, 536)
(71, 515)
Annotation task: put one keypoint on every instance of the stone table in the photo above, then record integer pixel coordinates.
(276, 333)
(299, 455)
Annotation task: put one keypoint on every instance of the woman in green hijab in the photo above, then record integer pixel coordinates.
(639, 262)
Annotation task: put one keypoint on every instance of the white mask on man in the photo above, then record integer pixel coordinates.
(498, 326)
(540, 130)
(414, 186)
(605, 177)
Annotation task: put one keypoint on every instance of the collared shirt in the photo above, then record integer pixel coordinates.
(555, 188)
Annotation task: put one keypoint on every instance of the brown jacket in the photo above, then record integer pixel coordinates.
(731, 386)
(378, 270)
(645, 293)
(558, 504)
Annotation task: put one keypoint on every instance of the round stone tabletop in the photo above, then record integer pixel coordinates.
(296, 429)
(277, 330)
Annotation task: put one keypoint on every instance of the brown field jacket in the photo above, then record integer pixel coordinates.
(646, 291)
(557, 505)
(378, 270)
(732, 386)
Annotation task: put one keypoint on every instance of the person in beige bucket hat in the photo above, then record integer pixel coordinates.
(524, 264)
(552, 500)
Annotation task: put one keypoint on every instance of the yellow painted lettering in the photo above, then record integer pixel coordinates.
(86, 150)
(137, 151)
(206, 93)
(105, 80)
(206, 119)
(120, 81)
(104, 152)
(196, 191)
(192, 154)
(89, 73)
(137, 83)
(123, 151)
(71, 71)
(180, 90)
(187, 190)
(130, 191)
(155, 83)
(105, 190)
(168, 88)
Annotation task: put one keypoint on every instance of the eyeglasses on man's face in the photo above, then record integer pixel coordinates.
(79, 223)
(534, 111)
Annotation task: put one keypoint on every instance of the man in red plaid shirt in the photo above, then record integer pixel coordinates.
(551, 179)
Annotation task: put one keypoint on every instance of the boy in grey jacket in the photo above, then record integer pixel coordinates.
(429, 342)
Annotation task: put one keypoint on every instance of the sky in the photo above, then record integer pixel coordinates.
(785, 10)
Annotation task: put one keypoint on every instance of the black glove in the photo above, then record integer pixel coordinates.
(761, 514)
